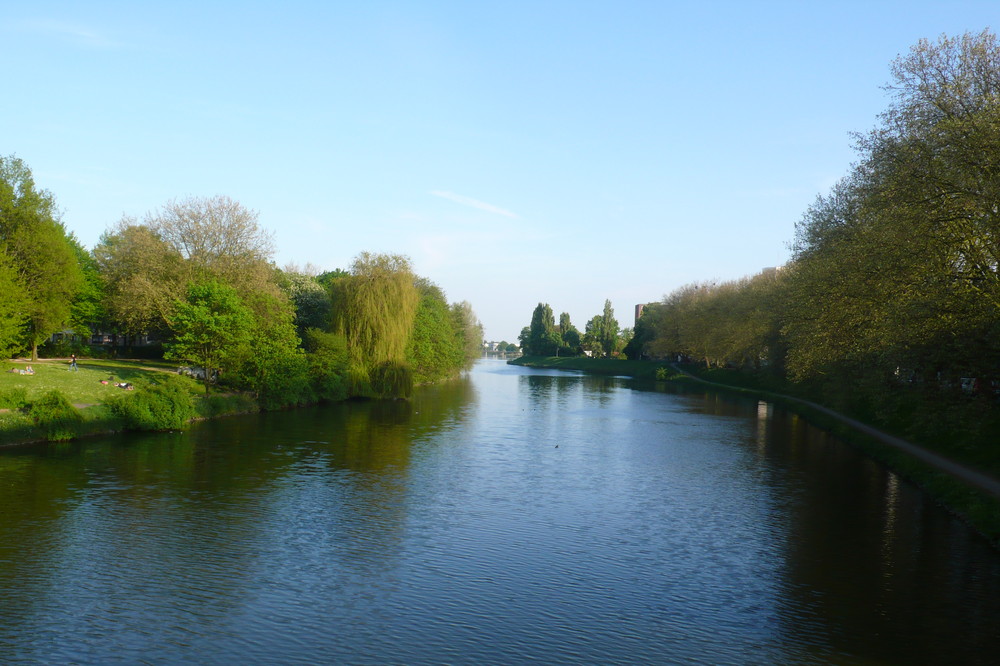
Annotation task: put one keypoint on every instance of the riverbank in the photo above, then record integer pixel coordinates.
(965, 489)
(102, 396)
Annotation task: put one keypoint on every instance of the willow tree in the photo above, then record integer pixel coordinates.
(374, 308)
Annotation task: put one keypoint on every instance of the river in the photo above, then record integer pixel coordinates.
(515, 515)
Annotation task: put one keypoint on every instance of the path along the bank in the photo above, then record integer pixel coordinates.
(965, 474)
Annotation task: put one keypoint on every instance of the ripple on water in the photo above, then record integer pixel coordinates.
(654, 533)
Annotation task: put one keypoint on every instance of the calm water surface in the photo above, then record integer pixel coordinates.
(512, 516)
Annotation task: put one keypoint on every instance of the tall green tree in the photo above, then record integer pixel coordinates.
(309, 298)
(601, 333)
(13, 308)
(434, 349)
(212, 328)
(143, 277)
(272, 362)
(41, 253)
(468, 333)
(569, 334)
(543, 338)
(87, 312)
(644, 333)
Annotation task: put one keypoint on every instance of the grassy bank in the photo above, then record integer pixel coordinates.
(977, 508)
(55, 403)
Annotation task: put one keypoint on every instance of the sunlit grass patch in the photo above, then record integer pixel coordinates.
(161, 399)
(83, 386)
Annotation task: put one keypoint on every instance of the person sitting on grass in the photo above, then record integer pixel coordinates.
(29, 370)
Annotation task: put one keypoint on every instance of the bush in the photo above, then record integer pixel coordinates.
(63, 348)
(154, 350)
(221, 404)
(56, 417)
(328, 362)
(285, 382)
(164, 406)
(14, 398)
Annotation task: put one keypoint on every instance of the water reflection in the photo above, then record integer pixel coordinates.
(507, 517)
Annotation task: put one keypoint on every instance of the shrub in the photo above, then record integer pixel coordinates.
(328, 362)
(218, 404)
(63, 348)
(56, 417)
(164, 406)
(285, 382)
(14, 398)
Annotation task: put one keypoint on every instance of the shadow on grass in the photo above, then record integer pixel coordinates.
(120, 372)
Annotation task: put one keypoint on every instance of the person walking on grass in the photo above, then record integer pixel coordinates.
(72, 363)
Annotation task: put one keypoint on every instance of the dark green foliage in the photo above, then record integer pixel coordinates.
(13, 306)
(37, 244)
(212, 328)
(570, 336)
(445, 339)
(328, 364)
(643, 335)
(433, 351)
(87, 311)
(221, 404)
(285, 381)
(164, 406)
(329, 277)
(605, 331)
(14, 398)
(55, 417)
(543, 339)
(63, 348)
(391, 380)
(271, 362)
(310, 300)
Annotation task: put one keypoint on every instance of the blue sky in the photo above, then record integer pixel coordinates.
(517, 152)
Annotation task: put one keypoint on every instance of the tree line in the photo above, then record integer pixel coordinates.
(198, 275)
(894, 280)
(602, 335)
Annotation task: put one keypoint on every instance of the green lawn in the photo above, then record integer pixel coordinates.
(84, 390)
(84, 386)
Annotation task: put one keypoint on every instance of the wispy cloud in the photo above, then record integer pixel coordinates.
(474, 203)
(71, 32)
